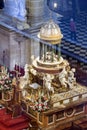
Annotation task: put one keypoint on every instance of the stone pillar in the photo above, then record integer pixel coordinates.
(35, 45)
(4, 46)
(19, 50)
(14, 49)
(35, 11)
(40, 51)
(27, 51)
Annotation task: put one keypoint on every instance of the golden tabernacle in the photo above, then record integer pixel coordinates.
(51, 94)
(48, 92)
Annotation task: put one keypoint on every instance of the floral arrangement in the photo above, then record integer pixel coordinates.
(5, 80)
(5, 84)
(41, 104)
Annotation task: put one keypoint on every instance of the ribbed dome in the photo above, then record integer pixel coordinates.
(50, 31)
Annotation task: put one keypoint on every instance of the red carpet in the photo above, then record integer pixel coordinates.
(9, 123)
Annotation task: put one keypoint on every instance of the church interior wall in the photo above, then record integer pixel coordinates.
(21, 54)
(4, 47)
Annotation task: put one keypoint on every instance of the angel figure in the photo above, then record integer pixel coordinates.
(71, 79)
(47, 80)
(63, 77)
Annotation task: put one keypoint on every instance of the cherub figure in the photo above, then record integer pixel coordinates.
(63, 77)
(71, 79)
(47, 80)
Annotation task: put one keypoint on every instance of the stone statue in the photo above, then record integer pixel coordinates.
(33, 71)
(47, 80)
(71, 79)
(15, 8)
(26, 69)
(63, 77)
(66, 78)
(32, 58)
(22, 10)
(24, 81)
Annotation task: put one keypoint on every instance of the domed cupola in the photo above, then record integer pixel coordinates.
(50, 32)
